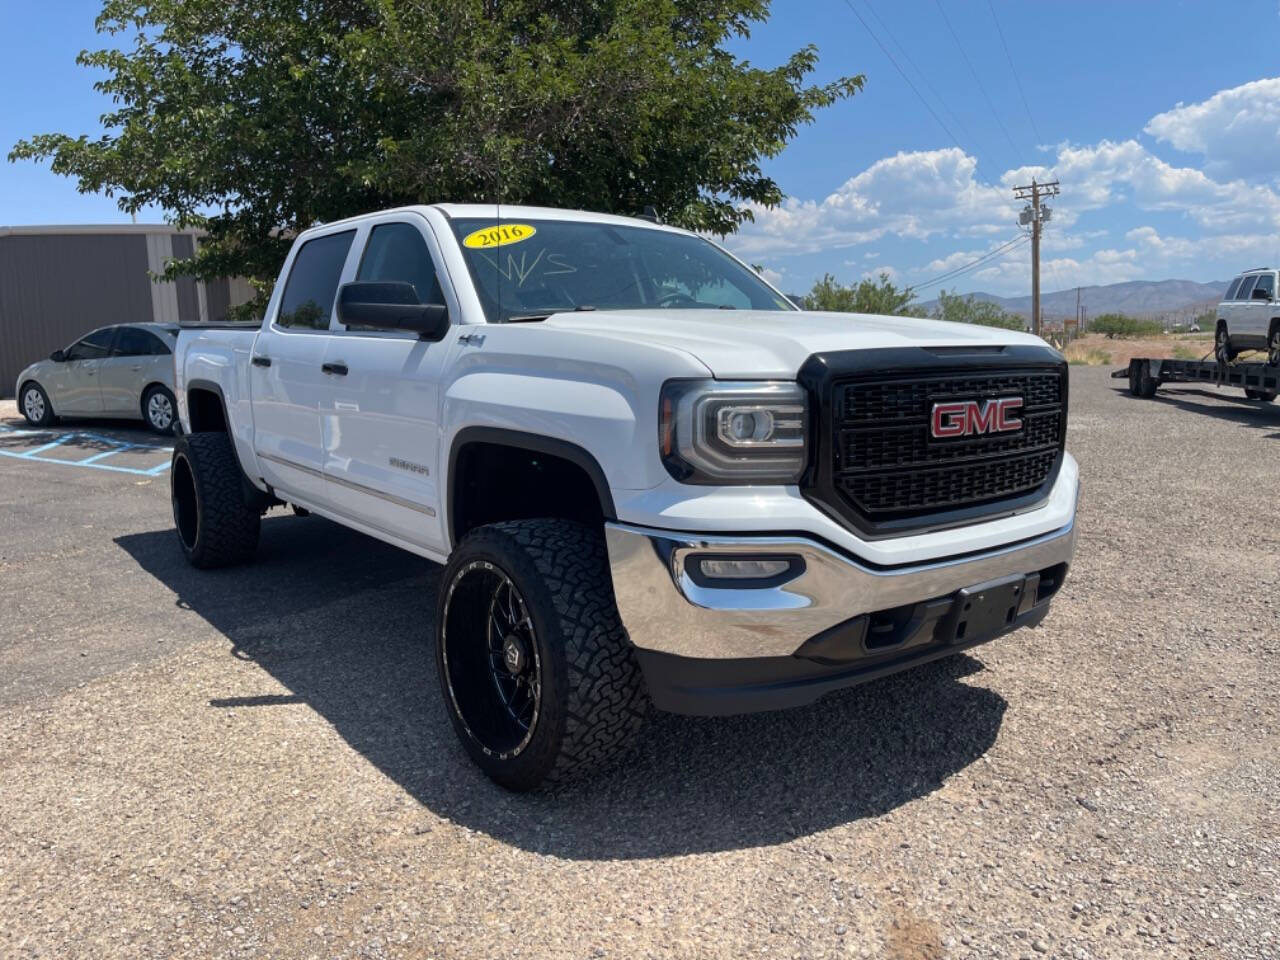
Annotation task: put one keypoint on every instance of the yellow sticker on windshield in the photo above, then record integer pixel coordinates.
(499, 235)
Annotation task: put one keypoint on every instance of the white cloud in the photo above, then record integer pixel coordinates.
(1217, 216)
(913, 195)
(1237, 131)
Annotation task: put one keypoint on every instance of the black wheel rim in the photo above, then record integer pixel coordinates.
(186, 510)
(490, 659)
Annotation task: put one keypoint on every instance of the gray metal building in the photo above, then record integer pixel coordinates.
(59, 282)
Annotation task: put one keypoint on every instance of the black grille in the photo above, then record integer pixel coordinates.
(886, 469)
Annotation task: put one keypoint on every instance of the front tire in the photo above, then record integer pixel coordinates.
(216, 528)
(35, 406)
(537, 673)
(158, 409)
(1273, 345)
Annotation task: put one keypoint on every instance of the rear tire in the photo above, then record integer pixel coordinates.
(35, 406)
(538, 675)
(159, 410)
(1266, 396)
(215, 527)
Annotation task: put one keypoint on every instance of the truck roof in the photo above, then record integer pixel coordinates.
(508, 211)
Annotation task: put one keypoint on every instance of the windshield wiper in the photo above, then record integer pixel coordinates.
(538, 317)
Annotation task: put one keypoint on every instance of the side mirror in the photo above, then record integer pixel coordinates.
(1261, 295)
(391, 305)
(58, 356)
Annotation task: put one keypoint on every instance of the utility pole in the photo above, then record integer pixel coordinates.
(1035, 214)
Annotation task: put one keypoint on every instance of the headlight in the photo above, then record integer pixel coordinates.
(712, 431)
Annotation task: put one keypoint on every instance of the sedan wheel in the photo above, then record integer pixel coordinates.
(35, 406)
(157, 408)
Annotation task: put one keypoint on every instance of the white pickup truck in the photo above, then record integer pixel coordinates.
(650, 477)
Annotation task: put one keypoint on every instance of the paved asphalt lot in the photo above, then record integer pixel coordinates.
(255, 763)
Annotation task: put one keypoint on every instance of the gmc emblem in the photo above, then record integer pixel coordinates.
(967, 418)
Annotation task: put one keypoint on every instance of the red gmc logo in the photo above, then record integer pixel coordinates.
(967, 418)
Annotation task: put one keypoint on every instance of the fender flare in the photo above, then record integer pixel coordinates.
(538, 443)
(253, 497)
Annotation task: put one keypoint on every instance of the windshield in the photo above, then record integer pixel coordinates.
(527, 269)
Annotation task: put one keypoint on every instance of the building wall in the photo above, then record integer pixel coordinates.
(58, 283)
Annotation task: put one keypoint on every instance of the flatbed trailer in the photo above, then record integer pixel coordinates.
(1259, 381)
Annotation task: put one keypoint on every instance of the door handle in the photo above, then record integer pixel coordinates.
(338, 369)
(262, 361)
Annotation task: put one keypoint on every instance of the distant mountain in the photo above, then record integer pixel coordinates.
(1135, 297)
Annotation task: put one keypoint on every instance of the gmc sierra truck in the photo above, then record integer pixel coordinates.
(651, 479)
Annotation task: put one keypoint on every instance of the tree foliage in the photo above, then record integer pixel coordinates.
(869, 296)
(260, 117)
(961, 309)
(1121, 325)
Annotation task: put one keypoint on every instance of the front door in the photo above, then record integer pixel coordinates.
(74, 387)
(288, 382)
(381, 421)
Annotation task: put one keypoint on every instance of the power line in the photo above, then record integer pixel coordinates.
(883, 49)
(1014, 70)
(921, 74)
(988, 257)
(983, 90)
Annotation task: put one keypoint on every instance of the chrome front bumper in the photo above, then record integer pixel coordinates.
(665, 611)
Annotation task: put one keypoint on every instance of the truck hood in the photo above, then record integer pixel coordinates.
(750, 344)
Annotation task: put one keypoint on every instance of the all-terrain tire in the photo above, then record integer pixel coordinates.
(215, 526)
(592, 704)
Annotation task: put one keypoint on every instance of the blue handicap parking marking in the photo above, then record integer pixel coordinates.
(95, 461)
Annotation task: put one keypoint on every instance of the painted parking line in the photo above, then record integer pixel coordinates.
(92, 462)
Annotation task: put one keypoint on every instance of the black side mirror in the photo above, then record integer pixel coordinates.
(391, 305)
(58, 356)
(1261, 295)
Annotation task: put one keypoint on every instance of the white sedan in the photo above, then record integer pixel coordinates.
(123, 371)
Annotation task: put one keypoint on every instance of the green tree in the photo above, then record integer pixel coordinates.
(960, 309)
(869, 296)
(1121, 325)
(257, 118)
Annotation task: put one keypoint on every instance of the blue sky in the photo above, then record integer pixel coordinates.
(1162, 120)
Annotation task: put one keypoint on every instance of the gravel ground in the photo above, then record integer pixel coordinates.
(255, 762)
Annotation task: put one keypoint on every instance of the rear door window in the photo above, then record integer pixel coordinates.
(312, 286)
(1231, 290)
(133, 342)
(93, 347)
(1246, 286)
(1267, 282)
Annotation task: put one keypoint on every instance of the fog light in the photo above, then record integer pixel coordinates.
(734, 571)
(757, 569)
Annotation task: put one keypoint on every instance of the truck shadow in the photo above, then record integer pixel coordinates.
(344, 621)
(1223, 406)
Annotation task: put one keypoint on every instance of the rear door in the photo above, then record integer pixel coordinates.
(381, 419)
(138, 358)
(74, 386)
(1246, 309)
(288, 383)
(1261, 310)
